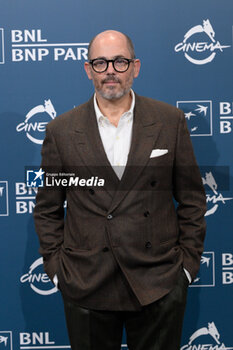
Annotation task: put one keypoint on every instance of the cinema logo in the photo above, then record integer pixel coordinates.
(206, 338)
(36, 120)
(38, 280)
(199, 45)
(214, 198)
(32, 46)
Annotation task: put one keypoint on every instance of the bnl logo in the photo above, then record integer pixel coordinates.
(35, 178)
(4, 210)
(198, 115)
(206, 275)
(2, 53)
(6, 340)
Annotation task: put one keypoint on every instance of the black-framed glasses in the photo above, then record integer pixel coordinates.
(120, 64)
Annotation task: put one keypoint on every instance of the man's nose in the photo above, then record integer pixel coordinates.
(110, 69)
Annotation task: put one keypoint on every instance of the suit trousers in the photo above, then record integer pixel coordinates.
(156, 326)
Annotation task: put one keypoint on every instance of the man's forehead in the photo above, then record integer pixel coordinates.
(110, 44)
(111, 36)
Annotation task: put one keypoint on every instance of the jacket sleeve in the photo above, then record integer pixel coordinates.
(49, 209)
(189, 193)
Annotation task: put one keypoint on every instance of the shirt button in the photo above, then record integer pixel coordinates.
(117, 138)
(146, 214)
(153, 183)
(105, 249)
(109, 217)
(148, 245)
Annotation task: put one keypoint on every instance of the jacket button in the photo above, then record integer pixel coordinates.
(105, 249)
(109, 217)
(148, 245)
(91, 191)
(153, 183)
(146, 214)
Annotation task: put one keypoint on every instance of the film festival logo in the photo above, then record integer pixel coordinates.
(205, 338)
(199, 44)
(6, 340)
(215, 197)
(206, 275)
(38, 280)
(198, 115)
(36, 120)
(4, 210)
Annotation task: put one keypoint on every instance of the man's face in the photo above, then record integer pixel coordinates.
(112, 85)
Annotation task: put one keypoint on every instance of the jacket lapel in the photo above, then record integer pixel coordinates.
(90, 147)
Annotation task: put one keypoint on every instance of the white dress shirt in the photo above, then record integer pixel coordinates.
(116, 140)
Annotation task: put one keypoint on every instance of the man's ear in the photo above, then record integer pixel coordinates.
(137, 66)
(87, 68)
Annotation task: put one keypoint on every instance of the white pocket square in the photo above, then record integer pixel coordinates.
(158, 152)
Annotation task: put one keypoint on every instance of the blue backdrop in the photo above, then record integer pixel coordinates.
(186, 53)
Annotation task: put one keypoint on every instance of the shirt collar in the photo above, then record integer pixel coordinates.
(99, 114)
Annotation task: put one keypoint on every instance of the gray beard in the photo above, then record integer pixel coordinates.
(111, 95)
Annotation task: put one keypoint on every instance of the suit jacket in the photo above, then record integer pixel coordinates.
(130, 233)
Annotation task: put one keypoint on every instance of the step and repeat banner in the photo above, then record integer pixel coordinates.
(186, 53)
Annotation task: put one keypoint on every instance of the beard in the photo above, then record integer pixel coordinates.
(112, 92)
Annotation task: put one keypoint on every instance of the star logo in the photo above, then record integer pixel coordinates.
(35, 178)
(38, 174)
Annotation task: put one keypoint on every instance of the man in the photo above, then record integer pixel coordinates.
(123, 254)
